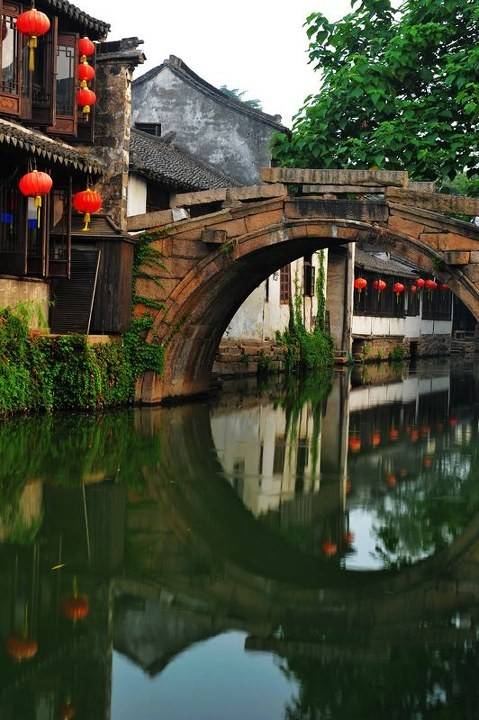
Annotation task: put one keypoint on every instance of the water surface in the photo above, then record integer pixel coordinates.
(285, 551)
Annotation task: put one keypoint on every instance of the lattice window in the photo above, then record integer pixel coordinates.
(285, 285)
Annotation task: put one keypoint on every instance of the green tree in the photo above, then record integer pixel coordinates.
(399, 90)
(237, 94)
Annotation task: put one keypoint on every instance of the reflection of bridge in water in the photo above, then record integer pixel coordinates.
(180, 558)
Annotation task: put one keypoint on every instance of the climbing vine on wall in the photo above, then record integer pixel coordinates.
(304, 349)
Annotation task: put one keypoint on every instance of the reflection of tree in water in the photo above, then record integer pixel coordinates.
(428, 512)
(412, 684)
(68, 450)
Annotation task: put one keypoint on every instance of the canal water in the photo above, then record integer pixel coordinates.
(287, 550)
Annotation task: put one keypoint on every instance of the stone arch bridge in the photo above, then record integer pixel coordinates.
(240, 236)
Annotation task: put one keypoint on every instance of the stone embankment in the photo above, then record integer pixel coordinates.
(248, 357)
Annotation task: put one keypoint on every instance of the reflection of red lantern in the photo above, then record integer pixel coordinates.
(354, 443)
(21, 649)
(391, 481)
(414, 435)
(453, 421)
(76, 607)
(34, 24)
(424, 431)
(427, 462)
(360, 284)
(36, 184)
(329, 548)
(348, 538)
(420, 283)
(376, 438)
(86, 98)
(394, 434)
(86, 47)
(349, 486)
(403, 473)
(87, 202)
(398, 289)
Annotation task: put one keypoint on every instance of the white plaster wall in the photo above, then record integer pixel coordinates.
(260, 320)
(436, 327)
(413, 326)
(378, 326)
(137, 188)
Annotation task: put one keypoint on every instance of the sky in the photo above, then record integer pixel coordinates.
(257, 45)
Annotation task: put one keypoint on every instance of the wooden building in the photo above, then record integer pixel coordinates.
(81, 279)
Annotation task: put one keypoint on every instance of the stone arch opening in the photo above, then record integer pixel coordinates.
(205, 300)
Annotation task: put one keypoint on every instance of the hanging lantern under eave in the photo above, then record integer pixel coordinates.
(443, 287)
(33, 23)
(86, 47)
(360, 284)
(430, 285)
(87, 202)
(379, 285)
(420, 282)
(86, 73)
(413, 289)
(398, 289)
(86, 98)
(36, 184)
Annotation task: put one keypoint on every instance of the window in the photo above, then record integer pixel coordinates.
(10, 57)
(65, 85)
(149, 127)
(59, 244)
(279, 455)
(436, 304)
(266, 290)
(309, 276)
(285, 285)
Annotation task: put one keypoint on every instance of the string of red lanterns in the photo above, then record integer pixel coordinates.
(33, 23)
(86, 98)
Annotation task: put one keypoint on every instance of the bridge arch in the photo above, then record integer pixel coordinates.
(254, 242)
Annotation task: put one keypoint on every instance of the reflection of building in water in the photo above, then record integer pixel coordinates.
(268, 458)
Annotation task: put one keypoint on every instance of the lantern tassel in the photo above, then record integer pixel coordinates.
(38, 205)
(32, 45)
(87, 221)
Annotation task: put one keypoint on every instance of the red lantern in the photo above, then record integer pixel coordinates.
(21, 648)
(394, 434)
(398, 289)
(85, 99)
(420, 283)
(329, 548)
(427, 462)
(431, 285)
(413, 289)
(414, 435)
(360, 284)
(376, 438)
(443, 286)
(76, 607)
(379, 285)
(87, 202)
(36, 184)
(86, 47)
(391, 481)
(34, 24)
(86, 73)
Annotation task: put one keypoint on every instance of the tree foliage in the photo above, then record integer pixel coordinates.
(399, 90)
(238, 94)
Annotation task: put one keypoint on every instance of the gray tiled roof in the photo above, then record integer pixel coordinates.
(163, 162)
(97, 28)
(42, 146)
(368, 261)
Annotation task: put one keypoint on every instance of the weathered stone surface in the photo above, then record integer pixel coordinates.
(404, 226)
(428, 187)
(263, 220)
(251, 192)
(472, 272)
(214, 237)
(198, 198)
(340, 189)
(436, 202)
(299, 176)
(338, 209)
(452, 241)
(188, 248)
(475, 256)
(149, 220)
(456, 257)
